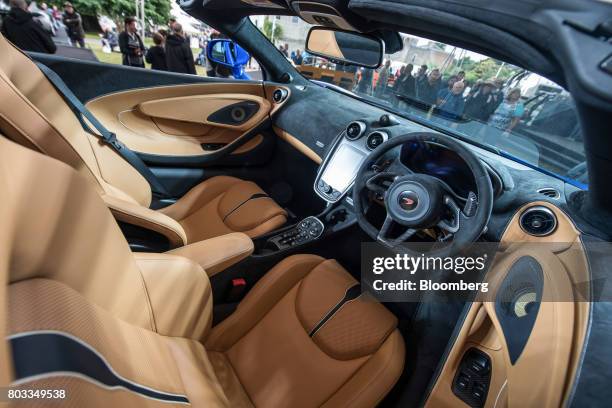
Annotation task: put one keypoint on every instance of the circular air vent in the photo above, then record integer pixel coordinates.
(538, 221)
(279, 95)
(550, 192)
(375, 139)
(354, 130)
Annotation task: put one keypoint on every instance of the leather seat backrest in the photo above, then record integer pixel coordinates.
(34, 114)
(55, 226)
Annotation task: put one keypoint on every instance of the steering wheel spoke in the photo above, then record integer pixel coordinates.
(399, 168)
(384, 237)
(374, 181)
(458, 216)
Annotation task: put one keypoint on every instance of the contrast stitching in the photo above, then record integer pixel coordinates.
(253, 197)
(332, 312)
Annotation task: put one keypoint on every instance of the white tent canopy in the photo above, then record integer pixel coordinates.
(190, 25)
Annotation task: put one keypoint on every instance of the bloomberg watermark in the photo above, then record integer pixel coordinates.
(415, 272)
(490, 272)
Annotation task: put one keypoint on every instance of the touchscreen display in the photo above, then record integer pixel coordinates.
(341, 169)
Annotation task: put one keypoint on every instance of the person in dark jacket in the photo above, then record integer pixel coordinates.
(482, 103)
(179, 57)
(421, 75)
(22, 30)
(156, 55)
(427, 90)
(131, 45)
(74, 25)
(365, 83)
(406, 87)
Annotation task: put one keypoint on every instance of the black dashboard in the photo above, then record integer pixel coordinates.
(318, 117)
(440, 162)
(361, 137)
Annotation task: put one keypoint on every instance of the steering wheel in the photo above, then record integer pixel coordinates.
(417, 201)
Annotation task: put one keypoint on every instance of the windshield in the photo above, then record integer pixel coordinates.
(518, 113)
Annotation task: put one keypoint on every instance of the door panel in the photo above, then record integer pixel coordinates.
(174, 120)
(179, 178)
(522, 339)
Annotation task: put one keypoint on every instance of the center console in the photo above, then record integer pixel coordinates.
(333, 182)
(307, 231)
(315, 233)
(337, 173)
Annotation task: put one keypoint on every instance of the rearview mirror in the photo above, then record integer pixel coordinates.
(347, 47)
(227, 53)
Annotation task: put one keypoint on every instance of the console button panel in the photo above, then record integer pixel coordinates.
(328, 191)
(309, 229)
(473, 377)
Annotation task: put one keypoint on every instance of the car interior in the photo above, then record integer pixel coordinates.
(173, 239)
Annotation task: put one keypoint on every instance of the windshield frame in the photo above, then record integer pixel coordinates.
(386, 104)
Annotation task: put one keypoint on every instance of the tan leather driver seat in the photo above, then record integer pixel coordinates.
(113, 328)
(34, 114)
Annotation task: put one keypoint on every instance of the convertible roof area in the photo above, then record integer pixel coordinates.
(564, 40)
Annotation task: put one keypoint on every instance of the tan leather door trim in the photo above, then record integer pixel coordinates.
(197, 108)
(174, 133)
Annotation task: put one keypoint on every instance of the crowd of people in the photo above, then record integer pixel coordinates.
(20, 27)
(33, 29)
(296, 56)
(452, 97)
(171, 50)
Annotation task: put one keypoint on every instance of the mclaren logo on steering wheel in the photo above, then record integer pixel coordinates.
(408, 200)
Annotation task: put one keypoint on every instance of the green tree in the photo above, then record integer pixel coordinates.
(267, 29)
(156, 11)
(487, 68)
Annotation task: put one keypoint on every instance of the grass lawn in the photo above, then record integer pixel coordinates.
(93, 42)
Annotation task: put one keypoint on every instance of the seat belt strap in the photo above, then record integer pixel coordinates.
(103, 133)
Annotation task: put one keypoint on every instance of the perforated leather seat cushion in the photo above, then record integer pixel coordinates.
(300, 369)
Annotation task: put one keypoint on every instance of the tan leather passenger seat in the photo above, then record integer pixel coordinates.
(34, 114)
(116, 329)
